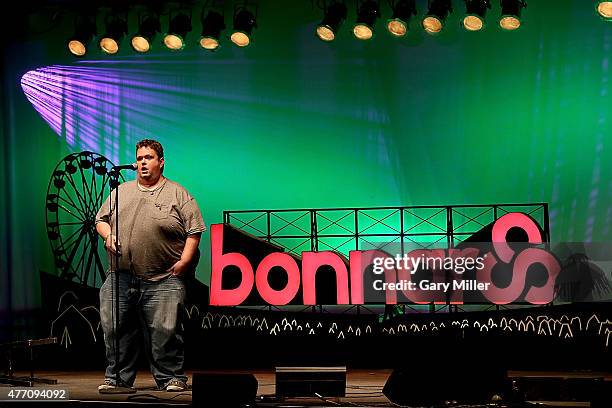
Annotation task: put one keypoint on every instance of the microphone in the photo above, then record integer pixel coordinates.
(132, 166)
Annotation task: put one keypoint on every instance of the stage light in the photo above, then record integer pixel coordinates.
(148, 27)
(84, 32)
(212, 26)
(402, 11)
(366, 19)
(436, 16)
(116, 28)
(178, 28)
(511, 14)
(335, 14)
(475, 14)
(244, 22)
(604, 8)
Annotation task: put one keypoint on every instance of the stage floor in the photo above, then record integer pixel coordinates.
(364, 388)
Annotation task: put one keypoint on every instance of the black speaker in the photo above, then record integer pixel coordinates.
(602, 395)
(436, 385)
(583, 388)
(310, 381)
(223, 390)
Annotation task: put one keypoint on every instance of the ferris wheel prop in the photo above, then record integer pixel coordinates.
(78, 186)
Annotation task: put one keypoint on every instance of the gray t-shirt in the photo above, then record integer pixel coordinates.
(153, 226)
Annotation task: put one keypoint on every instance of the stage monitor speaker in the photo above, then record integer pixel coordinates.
(310, 381)
(581, 388)
(603, 394)
(438, 385)
(223, 390)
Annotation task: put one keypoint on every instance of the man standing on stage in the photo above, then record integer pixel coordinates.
(160, 226)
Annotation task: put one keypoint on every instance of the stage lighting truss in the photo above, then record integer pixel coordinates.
(368, 12)
(84, 33)
(244, 23)
(213, 23)
(475, 12)
(148, 27)
(179, 25)
(116, 28)
(510, 19)
(604, 9)
(334, 15)
(403, 10)
(212, 19)
(438, 11)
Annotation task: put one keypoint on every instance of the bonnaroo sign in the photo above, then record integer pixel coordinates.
(395, 278)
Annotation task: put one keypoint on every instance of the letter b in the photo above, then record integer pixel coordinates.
(218, 295)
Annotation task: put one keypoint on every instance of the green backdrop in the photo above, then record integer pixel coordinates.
(292, 122)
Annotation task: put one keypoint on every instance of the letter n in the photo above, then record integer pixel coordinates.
(311, 262)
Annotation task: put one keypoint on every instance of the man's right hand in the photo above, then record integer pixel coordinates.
(112, 244)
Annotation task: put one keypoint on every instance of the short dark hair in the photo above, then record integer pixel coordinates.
(153, 144)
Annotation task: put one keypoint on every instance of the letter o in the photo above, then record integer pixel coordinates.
(503, 225)
(285, 295)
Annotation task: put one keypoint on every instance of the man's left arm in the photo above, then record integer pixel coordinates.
(191, 248)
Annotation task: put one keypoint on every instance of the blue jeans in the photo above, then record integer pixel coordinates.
(153, 308)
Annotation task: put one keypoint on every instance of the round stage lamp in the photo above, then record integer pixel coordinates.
(334, 16)
(148, 27)
(84, 32)
(511, 14)
(604, 8)
(436, 16)
(325, 33)
(178, 28)
(174, 42)
(240, 39)
(397, 25)
(209, 43)
(244, 22)
(77, 48)
(473, 23)
(509, 23)
(140, 44)
(475, 11)
(366, 19)
(116, 28)
(109, 45)
(432, 25)
(363, 32)
(212, 26)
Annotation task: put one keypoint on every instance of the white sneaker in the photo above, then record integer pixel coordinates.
(109, 387)
(176, 386)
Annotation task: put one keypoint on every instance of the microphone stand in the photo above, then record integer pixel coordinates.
(114, 176)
